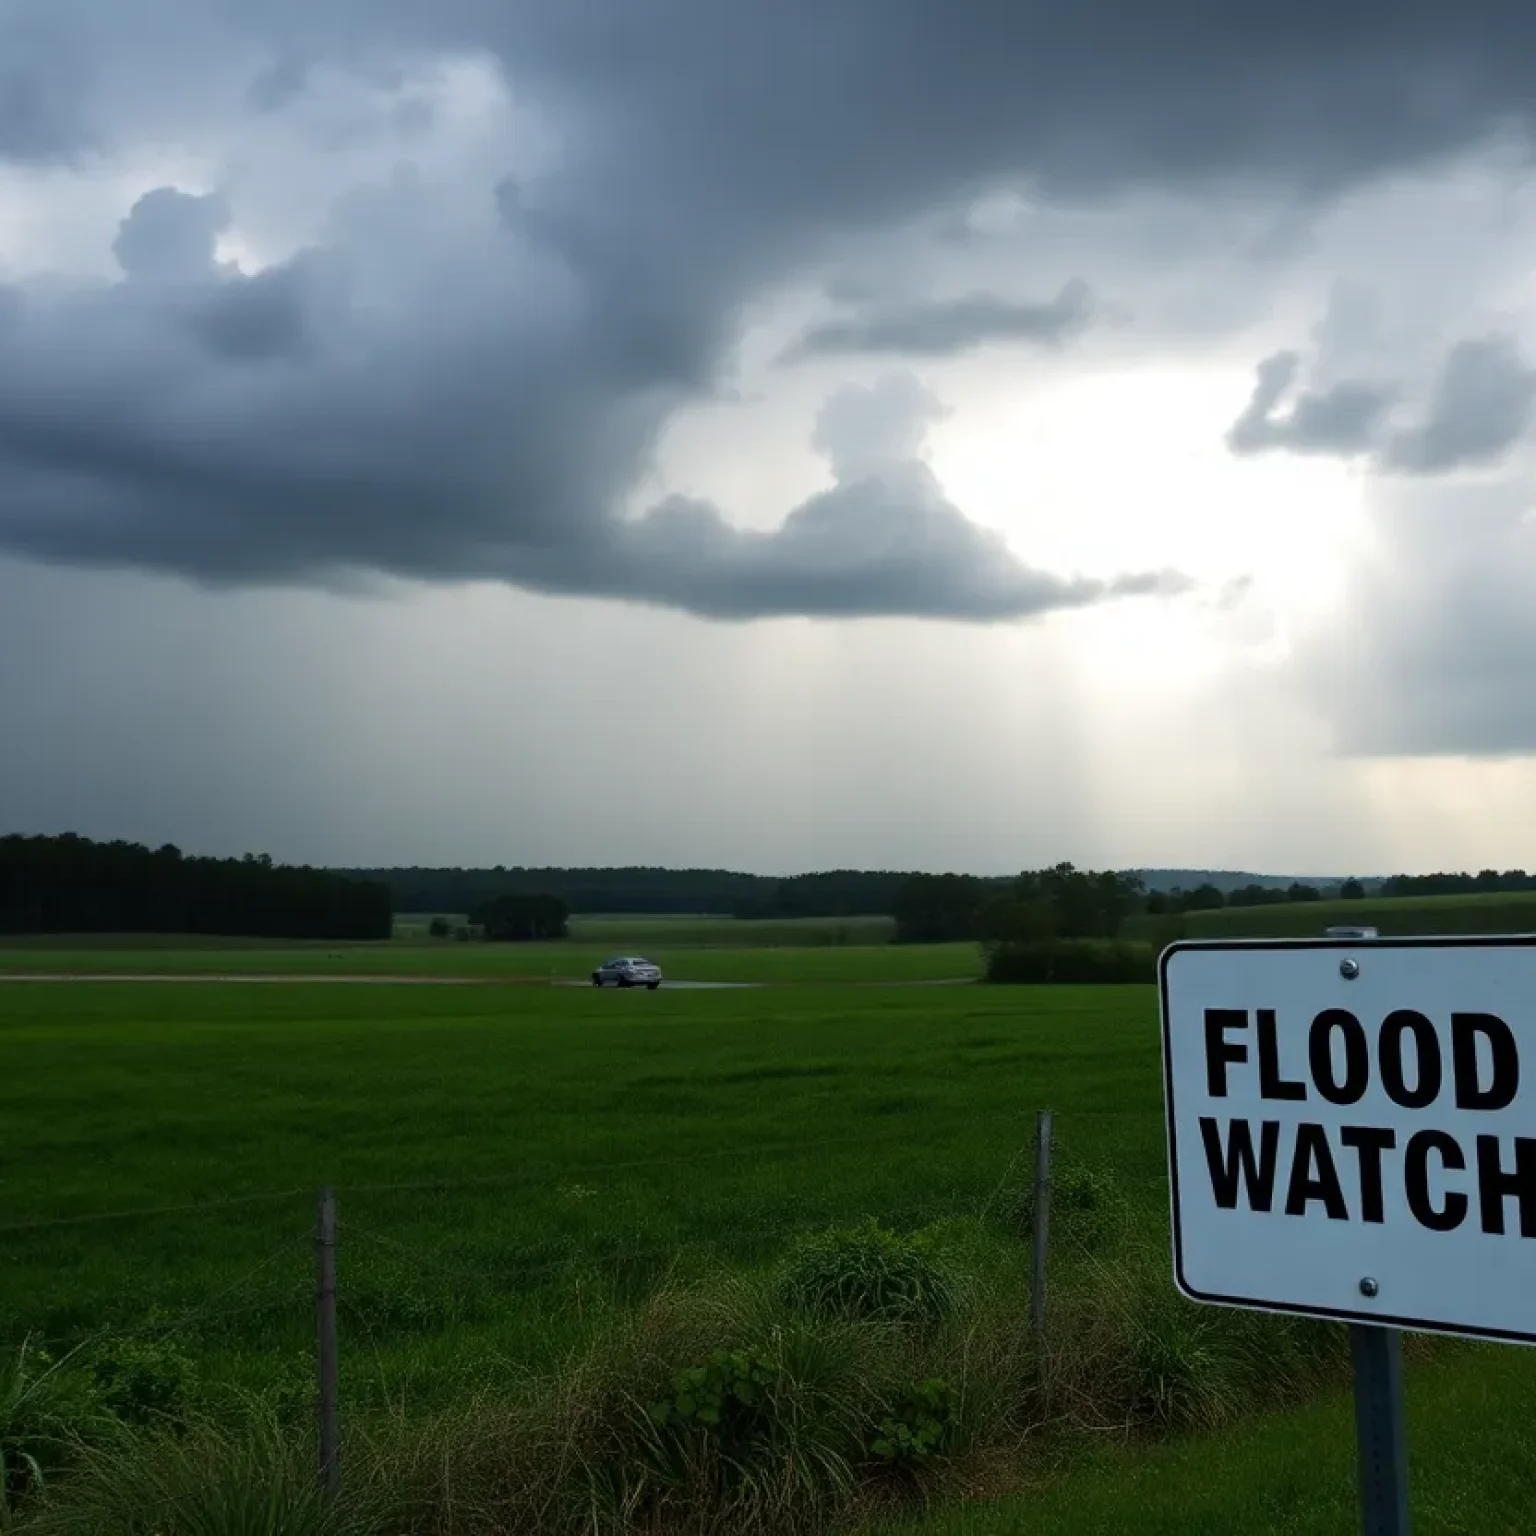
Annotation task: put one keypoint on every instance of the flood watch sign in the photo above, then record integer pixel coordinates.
(1352, 1129)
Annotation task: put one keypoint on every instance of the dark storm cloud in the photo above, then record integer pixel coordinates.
(389, 404)
(43, 89)
(948, 327)
(1343, 419)
(1480, 405)
(169, 236)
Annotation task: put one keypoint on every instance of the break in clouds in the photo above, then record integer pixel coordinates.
(462, 366)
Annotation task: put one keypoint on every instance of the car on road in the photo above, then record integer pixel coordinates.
(627, 971)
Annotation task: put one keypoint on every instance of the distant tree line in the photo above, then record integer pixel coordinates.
(836, 893)
(637, 889)
(71, 884)
(641, 889)
(1208, 898)
(1038, 906)
(1488, 880)
(942, 906)
(511, 917)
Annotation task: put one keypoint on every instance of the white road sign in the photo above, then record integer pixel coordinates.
(1352, 1129)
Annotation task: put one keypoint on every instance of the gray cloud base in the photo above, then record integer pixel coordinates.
(949, 327)
(215, 426)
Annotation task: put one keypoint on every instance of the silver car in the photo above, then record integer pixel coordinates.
(627, 971)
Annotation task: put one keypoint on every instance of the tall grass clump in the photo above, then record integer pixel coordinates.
(247, 1477)
(44, 1405)
(707, 1409)
(1126, 1351)
(787, 1401)
(869, 1272)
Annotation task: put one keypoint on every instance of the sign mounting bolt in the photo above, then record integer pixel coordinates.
(1369, 1287)
(1349, 969)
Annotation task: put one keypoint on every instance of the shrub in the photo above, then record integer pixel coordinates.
(868, 1272)
(439, 928)
(1089, 962)
(142, 1383)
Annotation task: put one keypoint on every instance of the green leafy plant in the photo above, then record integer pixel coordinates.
(918, 1425)
(724, 1395)
(869, 1272)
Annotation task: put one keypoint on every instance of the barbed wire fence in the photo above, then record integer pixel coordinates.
(337, 1292)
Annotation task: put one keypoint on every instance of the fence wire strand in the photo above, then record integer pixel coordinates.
(202, 1313)
(524, 1174)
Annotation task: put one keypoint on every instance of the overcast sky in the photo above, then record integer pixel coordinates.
(882, 433)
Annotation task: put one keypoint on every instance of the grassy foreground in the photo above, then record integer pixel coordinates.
(1292, 1473)
(552, 1200)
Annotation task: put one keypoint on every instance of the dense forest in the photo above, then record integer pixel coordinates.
(70, 884)
(642, 889)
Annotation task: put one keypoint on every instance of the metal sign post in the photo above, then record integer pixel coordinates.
(1350, 1136)
(1380, 1429)
(1381, 1434)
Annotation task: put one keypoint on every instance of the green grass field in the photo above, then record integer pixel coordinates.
(544, 1127)
(516, 1167)
(569, 961)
